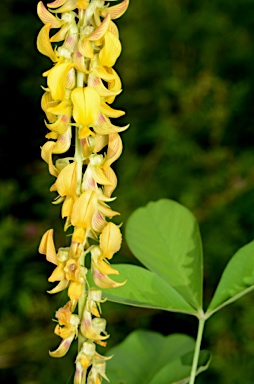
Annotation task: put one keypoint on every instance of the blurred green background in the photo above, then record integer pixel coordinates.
(188, 76)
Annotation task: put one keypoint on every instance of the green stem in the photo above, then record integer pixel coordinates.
(79, 159)
(78, 150)
(197, 350)
(81, 305)
(80, 79)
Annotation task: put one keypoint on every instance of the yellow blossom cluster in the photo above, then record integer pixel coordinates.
(82, 40)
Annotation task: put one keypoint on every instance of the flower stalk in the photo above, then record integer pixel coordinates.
(81, 86)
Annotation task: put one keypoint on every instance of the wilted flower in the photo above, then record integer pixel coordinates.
(67, 329)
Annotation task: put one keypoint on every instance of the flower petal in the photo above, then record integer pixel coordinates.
(104, 126)
(86, 105)
(63, 143)
(84, 209)
(56, 3)
(109, 189)
(100, 142)
(47, 102)
(46, 154)
(75, 290)
(96, 83)
(63, 347)
(68, 5)
(47, 17)
(110, 240)
(57, 80)
(103, 281)
(59, 287)
(110, 51)
(47, 247)
(79, 373)
(99, 176)
(78, 235)
(106, 211)
(58, 274)
(113, 29)
(66, 181)
(116, 11)
(98, 222)
(60, 126)
(110, 112)
(104, 267)
(100, 32)
(88, 330)
(43, 43)
(82, 4)
(86, 49)
(114, 85)
(79, 62)
(61, 34)
(67, 207)
(63, 108)
(114, 151)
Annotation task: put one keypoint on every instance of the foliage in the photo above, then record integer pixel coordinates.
(171, 357)
(165, 237)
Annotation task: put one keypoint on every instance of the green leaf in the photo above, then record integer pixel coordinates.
(236, 280)
(165, 237)
(146, 357)
(179, 370)
(145, 289)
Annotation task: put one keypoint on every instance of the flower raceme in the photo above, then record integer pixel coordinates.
(81, 86)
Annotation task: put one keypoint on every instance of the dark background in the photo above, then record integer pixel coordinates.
(188, 77)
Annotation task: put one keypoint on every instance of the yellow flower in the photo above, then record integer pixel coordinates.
(47, 247)
(116, 11)
(66, 185)
(81, 86)
(64, 5)
(93, 329)
(84, 360)
(95, 171)
(43, 43)
(57, 77)
(62, 145)
(84, 209)
(47, 17)
(97, 372)
(67, 329)
(86, 108)
(70, 274)
(110, 51)
(68, 271)
(94, 298)
(103, 126)
(110, 242)
(86, 357)
(102, 280)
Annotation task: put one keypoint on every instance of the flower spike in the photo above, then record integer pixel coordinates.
(81, 86)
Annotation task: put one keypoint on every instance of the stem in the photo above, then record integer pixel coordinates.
(81, 305)
(80, 79)
(197, 350)
(79, 159)
(78, 150)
